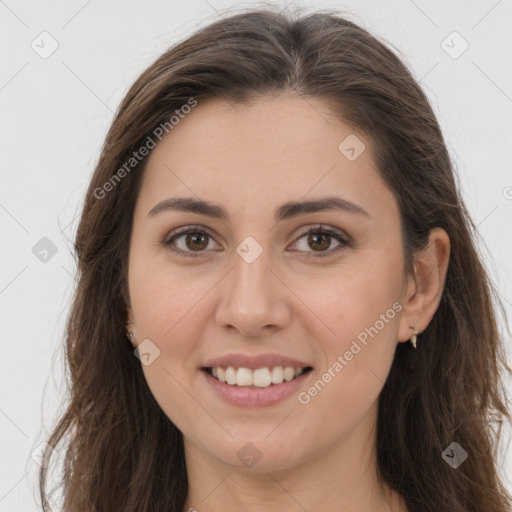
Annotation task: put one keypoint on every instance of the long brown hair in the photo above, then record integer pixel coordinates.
(122, 453)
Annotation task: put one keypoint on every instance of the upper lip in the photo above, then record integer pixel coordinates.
(255, 361)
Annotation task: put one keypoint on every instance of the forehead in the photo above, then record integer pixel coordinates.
(271, 150)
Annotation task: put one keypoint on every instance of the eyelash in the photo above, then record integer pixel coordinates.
(319, 229)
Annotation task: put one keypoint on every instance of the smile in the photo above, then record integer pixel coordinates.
(252, 395)
(260, 377)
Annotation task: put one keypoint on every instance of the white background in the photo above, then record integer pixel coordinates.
(55, 113)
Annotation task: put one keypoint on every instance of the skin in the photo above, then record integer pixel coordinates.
(250, 159)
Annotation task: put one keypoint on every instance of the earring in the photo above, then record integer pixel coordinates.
(128, 333)
(414, 337)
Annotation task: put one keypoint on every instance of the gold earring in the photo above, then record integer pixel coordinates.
(414, 337)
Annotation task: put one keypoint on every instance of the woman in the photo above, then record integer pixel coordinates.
(279, 303)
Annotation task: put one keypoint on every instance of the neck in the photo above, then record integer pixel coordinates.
(343, 477)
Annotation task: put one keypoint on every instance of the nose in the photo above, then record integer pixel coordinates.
(253, 298)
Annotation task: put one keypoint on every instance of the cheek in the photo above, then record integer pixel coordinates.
(351, 298)
(359, 312)
(158, 310)
(167, 318)
(163, 297)
(357, 360)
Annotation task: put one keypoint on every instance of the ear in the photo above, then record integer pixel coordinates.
(129, 315)
(424, 290)
(131, 327)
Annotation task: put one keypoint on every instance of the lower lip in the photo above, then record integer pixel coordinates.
(253, 396)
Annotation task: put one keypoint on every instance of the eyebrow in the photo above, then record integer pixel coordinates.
(286, 211)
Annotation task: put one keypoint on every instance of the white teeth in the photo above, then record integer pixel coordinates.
(277, 375)
(261, 377)
(289, 373)
(230, 375)
(244, 377)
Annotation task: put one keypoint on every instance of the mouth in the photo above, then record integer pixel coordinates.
(265, 377)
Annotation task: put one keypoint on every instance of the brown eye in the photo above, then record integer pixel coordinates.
(196, 241)
(187, 241)
(192, 241)
(319, 239)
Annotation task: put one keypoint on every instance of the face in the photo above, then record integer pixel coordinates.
(318, 289)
